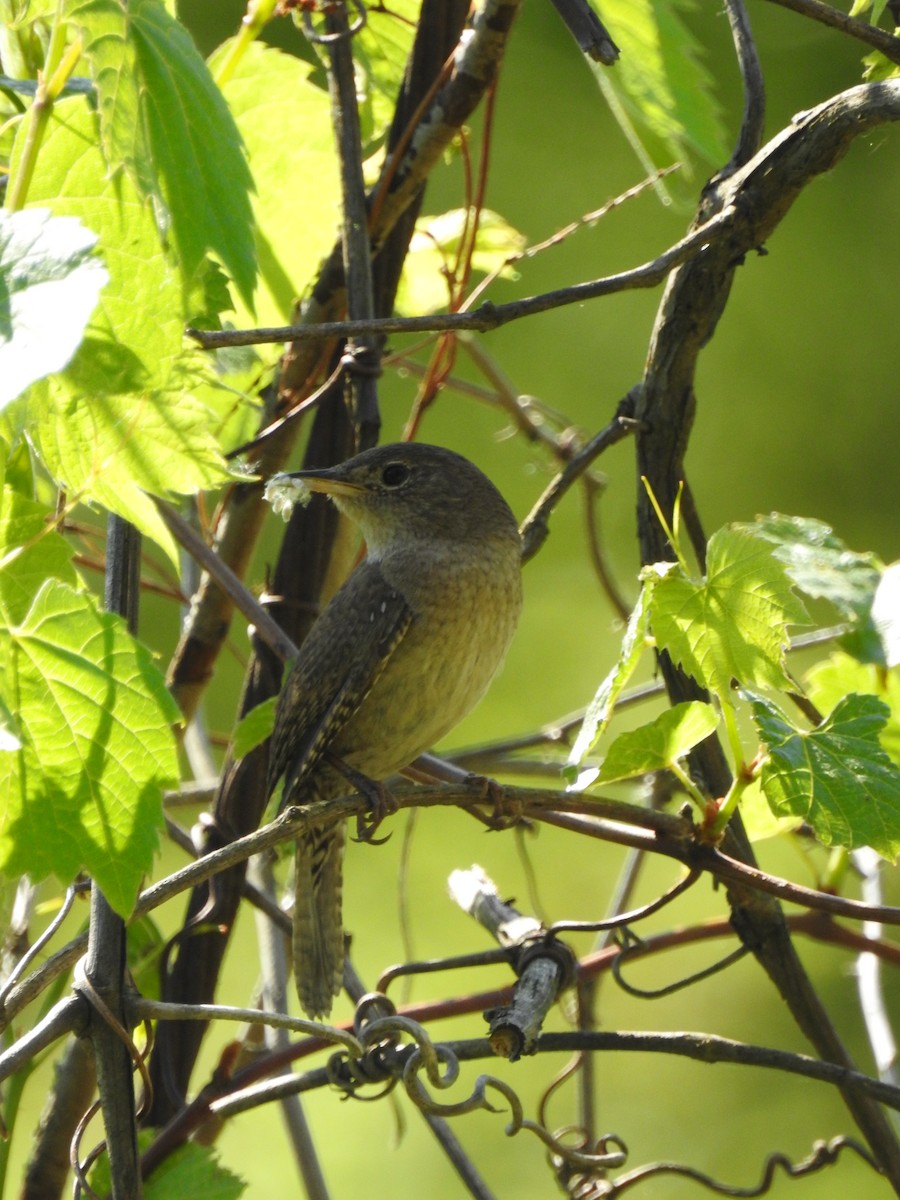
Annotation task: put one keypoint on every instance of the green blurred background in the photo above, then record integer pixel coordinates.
(797, 411)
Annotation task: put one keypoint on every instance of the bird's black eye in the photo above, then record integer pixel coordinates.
(395, 474)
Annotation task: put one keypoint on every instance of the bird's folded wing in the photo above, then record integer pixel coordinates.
(345, 652)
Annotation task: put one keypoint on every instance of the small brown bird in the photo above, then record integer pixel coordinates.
(403, 651)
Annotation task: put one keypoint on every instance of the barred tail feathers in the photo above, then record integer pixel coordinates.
(318, 938)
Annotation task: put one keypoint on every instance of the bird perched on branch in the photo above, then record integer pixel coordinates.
(402, 652)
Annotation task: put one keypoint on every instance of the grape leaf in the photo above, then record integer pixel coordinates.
(190, 1170)
(139, 318)
(819, 563)
(837, 776)
(295, 170)
(117, 422)
(50, 280)
(661, 93)
(254, 727)
(659, 744)
(600, 709)
(434, 247)
(94, 718)
(831, 680)
(163, 117)
(30, 553)
(732, 624)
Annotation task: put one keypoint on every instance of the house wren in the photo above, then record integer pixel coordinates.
(402, 652)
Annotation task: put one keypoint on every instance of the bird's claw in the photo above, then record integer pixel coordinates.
(505, 812)
(381, 805)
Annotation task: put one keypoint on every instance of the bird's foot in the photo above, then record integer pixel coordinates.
(505, 812)
(381, 803)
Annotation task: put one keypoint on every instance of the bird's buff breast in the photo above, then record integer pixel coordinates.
(441, 669)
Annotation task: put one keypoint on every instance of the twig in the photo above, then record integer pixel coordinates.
(535, 527)
(105, 962)
(754, 119)
(833, 17)
(362, 352)
(63, 1018)
(544, 965)
(244, 600)
(487, 316)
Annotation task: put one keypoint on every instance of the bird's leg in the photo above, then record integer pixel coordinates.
(381, 802)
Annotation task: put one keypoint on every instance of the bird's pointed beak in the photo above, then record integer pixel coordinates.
(328, 481)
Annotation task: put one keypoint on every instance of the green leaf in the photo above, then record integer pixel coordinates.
(878, 67)
(837, 777)
(601, 707)
(165, 120)
(664, 92)
(73, 181)
(118, 422)
(117, 448)
(30, 553)
(819, 563)
(434, 249)
(285, 122)
(94, 718)
(50, 280)
(253, 728)
(732, 624)
(759, 820)
(380, 53)
(874, 7)
(660, 744)
(830, 681)
(189, 1171)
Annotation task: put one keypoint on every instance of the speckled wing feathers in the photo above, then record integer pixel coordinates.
(346, 651)
(340, 661)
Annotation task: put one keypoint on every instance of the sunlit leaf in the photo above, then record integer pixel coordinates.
(94, 718)
(659, 744)
(433, 253)
(828, 682)
(818, 562)
(253, 728)
(285, 122)
(50, 279)
(659, 83)
(119, 421)
(601, 708)
(731, 625)
(164, 119)
(30, 553)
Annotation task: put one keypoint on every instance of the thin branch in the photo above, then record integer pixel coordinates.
(487, 316)
(754, 119)
(869, 981)
(700, 1047)
(871, 35)
(69, 1014)
(535, 527)
(362, 352)
(610, 820)
(105, 963)
(244, 600)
